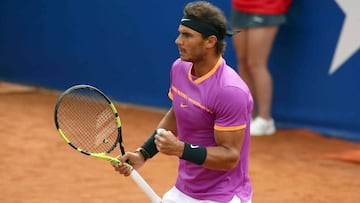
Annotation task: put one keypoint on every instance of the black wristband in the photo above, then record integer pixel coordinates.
(194, 153)
(149, 147)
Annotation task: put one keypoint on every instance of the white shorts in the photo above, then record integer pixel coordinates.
(176, 196)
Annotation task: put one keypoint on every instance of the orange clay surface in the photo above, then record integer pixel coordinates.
(37, 166)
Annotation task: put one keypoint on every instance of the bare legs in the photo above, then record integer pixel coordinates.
(253, 47)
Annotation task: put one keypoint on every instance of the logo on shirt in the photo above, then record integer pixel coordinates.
(182, 105)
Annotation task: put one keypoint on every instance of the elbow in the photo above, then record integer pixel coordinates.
(232, 162)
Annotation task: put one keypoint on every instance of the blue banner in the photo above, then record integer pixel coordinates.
(126, 49)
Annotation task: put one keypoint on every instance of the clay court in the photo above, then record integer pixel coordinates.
(37, 166)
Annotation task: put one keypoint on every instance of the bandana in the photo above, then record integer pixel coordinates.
(205, 28)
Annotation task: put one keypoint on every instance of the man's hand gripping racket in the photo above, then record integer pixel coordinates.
(89, 122)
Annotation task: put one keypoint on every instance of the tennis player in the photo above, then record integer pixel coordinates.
(207, 127)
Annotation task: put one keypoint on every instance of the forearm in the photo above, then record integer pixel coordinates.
(168, 122)
(225, 155)
(221, 158)
(217, 157)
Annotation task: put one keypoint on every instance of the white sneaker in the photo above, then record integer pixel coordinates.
(259, 126)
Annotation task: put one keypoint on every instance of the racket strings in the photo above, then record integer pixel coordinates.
(88, 121)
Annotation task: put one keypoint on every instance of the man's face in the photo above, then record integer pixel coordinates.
(191, 44)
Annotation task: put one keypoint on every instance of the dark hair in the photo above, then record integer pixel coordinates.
(211, 14)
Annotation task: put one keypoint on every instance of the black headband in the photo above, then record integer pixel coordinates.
(203, 27)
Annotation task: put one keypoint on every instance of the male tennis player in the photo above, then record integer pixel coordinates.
(207, 126)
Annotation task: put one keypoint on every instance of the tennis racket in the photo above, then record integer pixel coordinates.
(89, 122)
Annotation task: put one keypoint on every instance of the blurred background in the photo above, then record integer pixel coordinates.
(126, 49)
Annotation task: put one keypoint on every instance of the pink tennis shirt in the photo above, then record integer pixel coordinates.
(218, 100)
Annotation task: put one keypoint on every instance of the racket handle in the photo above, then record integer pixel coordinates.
(145, 187)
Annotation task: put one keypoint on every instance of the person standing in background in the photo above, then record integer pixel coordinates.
(259, 21)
